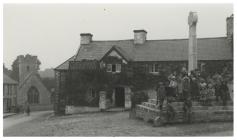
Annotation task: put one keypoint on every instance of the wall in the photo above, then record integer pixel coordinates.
(9, 95)
(60, 92)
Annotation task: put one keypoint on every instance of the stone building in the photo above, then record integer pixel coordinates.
(31, 88)
(149, 56)
(9, 94)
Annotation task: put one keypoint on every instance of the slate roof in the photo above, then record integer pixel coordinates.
(8, 80)
(84, 65)
(156, 50)
(65, 65)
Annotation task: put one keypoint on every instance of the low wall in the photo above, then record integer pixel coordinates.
(80, 109)
(41, 107)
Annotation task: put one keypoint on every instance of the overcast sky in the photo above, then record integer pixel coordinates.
(52, 31)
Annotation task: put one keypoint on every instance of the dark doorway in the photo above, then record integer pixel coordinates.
(119, 97)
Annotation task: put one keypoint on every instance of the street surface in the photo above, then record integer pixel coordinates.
(104, 124)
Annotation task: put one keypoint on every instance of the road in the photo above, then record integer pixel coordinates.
(22, 119)
(104, 124)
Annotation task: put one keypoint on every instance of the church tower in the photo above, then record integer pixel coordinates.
(27, 65)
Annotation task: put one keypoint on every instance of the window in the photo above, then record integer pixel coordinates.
(33, 96)
(109, 67)
(118, 67)
(153, 68)
(8, 90)
(93, 93)
(114, 68)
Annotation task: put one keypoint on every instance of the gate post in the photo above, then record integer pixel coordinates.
(102, 101)
(128, 102)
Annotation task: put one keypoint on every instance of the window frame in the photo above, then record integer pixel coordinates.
(109, 67)
(114, 68)
(153, 68)
(92, 92)
(118, 68)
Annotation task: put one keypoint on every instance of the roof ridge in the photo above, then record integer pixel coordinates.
(158, 39)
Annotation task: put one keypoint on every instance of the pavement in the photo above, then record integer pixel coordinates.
(5, 115)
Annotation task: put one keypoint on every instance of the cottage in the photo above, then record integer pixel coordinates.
(150, 57)
(9, 94)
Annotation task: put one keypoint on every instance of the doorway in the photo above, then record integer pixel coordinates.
(119, 97)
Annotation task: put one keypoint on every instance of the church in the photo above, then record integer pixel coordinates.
(137, 55)
(31, 90)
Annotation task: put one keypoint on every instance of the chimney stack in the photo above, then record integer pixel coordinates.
(86, 38)
(139, 36)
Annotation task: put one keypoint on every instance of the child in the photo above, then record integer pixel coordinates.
(203, 91)
(210, 93)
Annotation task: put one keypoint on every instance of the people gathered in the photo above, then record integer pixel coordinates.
(194, 86)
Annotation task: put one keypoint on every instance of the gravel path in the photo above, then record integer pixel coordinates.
(110, 124)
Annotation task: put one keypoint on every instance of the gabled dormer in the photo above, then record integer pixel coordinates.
(114, 60)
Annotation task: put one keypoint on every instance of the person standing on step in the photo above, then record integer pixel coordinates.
(187, 107)
(170, 112)
(186, 86)
(187, 98)
(194, 86)
(218, 80)
(224, 92)
(203, 91)
(210, 93)
(180, 87)
(161, 94)
(173, 87)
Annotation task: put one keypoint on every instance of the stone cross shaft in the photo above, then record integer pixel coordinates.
(192, 44)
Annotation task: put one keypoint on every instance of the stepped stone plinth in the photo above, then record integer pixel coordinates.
(150, 111)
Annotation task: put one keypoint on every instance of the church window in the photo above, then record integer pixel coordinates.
(33, 96)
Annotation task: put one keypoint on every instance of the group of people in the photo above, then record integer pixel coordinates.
(193, 86)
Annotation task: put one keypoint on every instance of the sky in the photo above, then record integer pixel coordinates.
(52, 31)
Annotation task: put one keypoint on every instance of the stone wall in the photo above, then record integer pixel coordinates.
(60, 92)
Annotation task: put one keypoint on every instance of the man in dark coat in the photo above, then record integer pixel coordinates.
(218, 80)
(194, 86)
(224, 92)
(161, 94)
(186, 86)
